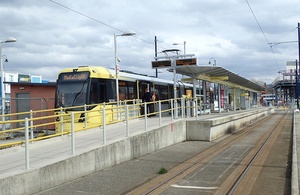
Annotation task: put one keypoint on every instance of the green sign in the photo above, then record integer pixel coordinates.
(23, 78)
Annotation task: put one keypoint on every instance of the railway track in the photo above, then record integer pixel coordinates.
(242, 178)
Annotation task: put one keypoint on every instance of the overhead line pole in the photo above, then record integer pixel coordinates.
(155, 50)
(173, 66)
(297, 71)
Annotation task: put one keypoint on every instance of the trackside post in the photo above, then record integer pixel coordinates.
(103, 124)
(127, 121)
(72, 134)
(159, 111)
(145, 115)
(26, 145)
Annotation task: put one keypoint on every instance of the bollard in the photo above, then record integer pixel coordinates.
(26, 145)
(72, 134)
(196, 108)
(127, 117)
(85, 116)
(182, 108)
(31, 124)
(159, 109)
(145, 114)
(172, 114)
(61, 119)
(104, 125)
(188, 109)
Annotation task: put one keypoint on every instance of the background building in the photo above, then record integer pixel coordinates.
(285, 85)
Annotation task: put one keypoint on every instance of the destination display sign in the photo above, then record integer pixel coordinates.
(161, 64)
(74, 76)
(179, 62)
(186, 62)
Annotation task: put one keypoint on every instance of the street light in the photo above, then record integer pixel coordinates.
(9, 40)
(184, 43)
(5, 57)
(214, 63)
(128, 33)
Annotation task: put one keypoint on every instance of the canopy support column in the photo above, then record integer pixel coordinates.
(234, 101)
(219, 98)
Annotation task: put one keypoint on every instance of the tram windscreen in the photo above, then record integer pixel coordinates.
(71, 92)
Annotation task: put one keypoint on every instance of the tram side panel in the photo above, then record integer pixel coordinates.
(86, 90)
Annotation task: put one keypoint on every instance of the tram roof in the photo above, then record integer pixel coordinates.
(219, 75)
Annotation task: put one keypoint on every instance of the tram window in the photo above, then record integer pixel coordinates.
(126, 90)
(102, 92)
(181, 91)
(163, 92)
(72, 94)
(131, 87)
(131, 92)
(122, 93)
(94, 92)
(110, 90)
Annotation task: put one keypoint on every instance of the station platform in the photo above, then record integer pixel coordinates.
(52, 162)
(295, 188)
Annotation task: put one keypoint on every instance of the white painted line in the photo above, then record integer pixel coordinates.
(195, 187)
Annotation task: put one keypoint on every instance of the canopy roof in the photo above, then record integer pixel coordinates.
(218, 75)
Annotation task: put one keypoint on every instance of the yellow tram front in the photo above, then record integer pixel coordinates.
(83, 91)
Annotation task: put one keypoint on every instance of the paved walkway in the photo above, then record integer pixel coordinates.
(296, 155)
(119, 179)
(56, 149)
(49, 151)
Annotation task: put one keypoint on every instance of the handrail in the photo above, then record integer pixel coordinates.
(187, 107)
(127, 110)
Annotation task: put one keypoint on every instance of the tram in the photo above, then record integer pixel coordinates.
(85, 89)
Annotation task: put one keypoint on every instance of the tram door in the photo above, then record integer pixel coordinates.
(142, 88)
(170, 91)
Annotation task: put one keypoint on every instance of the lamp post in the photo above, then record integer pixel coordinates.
(9, 40)
(128, 33)
(214, 63)
(184, 48)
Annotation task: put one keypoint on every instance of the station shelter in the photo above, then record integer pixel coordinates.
(233, 92)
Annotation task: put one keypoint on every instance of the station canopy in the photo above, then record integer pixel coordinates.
(219, 75)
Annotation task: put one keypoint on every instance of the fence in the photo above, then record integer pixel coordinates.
(41, 123)
(32, 128)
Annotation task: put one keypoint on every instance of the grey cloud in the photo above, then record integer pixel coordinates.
(50, 37)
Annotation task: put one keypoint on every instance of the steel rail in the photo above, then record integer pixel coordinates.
(276, 127)
(160, 183)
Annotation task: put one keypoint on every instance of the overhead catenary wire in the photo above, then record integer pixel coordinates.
(257, 22)
(84, 15)
(278, 42)
(268, 42)
(150, 42)
(98, 21)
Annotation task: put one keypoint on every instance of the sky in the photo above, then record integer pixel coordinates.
(239, 35)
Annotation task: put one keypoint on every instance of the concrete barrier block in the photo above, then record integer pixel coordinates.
(198, 130)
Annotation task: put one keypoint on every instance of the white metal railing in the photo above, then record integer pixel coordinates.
(185, 108)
